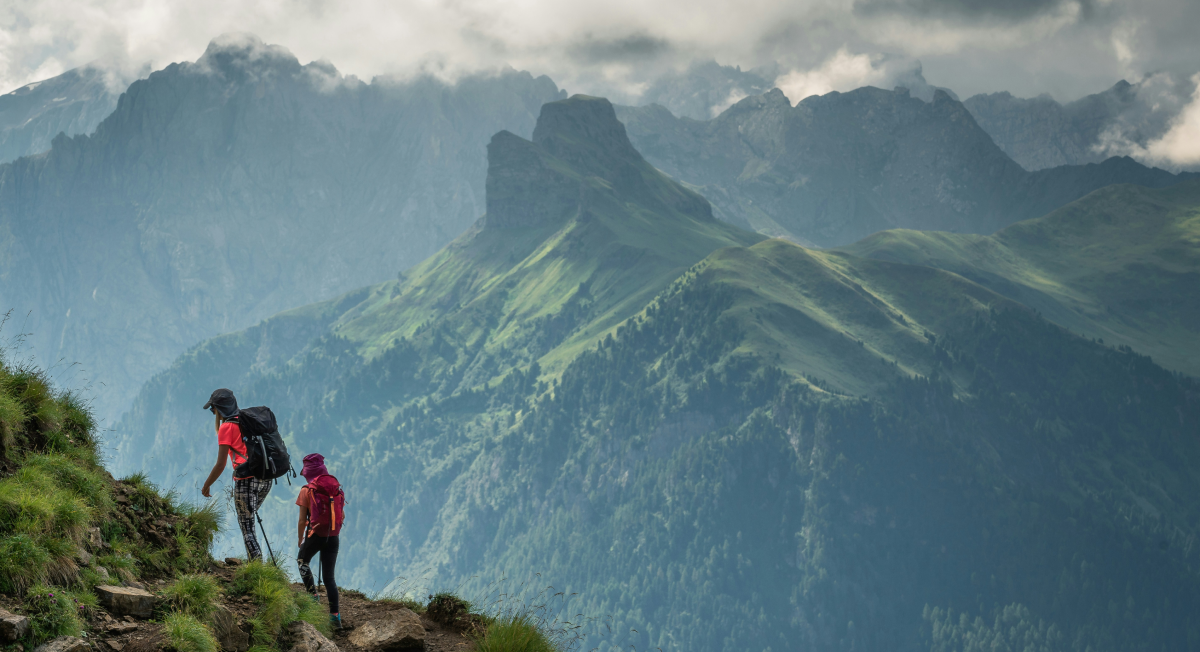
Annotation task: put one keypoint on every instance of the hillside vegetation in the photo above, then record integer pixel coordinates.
(724, 442)
(1121, 265)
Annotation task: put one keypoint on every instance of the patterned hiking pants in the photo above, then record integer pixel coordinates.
(248, 495)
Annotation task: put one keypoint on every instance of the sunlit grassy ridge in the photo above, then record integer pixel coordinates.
(66, 525)
(1122, 264)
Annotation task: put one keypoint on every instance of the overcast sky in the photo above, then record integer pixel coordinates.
(1064, 47)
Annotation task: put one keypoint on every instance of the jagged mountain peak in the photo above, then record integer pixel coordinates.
(240, 53)
(568, 127)
(580, 156)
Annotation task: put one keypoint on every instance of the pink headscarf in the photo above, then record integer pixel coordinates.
(314, 465)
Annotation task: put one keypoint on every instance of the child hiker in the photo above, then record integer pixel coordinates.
(321, 504)
(248, 493)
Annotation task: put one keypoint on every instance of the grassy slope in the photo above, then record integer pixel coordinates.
(853, 323)
(614, 252)
(1121, 264)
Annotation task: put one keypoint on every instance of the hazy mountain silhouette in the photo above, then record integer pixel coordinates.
(224, 190)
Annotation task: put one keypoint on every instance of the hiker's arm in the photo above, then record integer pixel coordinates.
(300, 526)
(218, 469)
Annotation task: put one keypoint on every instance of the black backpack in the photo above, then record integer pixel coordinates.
(266, 455)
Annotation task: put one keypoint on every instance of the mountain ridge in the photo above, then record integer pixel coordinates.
(836, 168)
(206, 198)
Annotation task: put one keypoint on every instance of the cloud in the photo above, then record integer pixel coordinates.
(1163, 127)
(1066, 47)
(841, 72)
(1005, 10)
(845, 72)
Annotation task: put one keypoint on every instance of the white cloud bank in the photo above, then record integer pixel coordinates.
(1066, 47)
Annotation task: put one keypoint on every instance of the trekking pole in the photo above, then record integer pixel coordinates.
(268, 541)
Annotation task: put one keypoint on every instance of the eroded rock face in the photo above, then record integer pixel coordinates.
(127, 601)
(306, 638)
(229, 634)
(395, 630)
(12, 627)
(63, 644)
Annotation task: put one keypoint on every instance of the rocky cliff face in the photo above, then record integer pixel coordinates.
(230, 188)
(1040, 133)
(836, 168)
(72, 103)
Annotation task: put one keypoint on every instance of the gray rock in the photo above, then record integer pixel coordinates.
(95, 540)
(103, 572)
(63, 644)
(231, 636)
(127, 600)
(395, 630)
(12, 627)
(84, 557)
(306, 638)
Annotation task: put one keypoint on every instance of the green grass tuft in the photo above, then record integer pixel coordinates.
(278, 603)
(53, 612)
(188, 634)
(515, 633)
(195, 595)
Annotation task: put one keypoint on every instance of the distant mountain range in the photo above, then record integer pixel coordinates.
(1041, 133)
(72, 103)
(839, 167)
(225, 190)
(222, 191)
(726, 442)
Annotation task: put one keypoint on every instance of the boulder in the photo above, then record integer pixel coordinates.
(63, 644)
(126, 600)
(225, 626)
(12, 627)
(394, 630)
(306, 638)
(83, 556)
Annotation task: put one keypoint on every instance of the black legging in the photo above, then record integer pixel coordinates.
(328, 547)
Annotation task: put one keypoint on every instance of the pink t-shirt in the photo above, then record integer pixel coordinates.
(230, 435)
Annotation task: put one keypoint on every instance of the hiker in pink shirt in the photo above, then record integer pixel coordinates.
(321, 504)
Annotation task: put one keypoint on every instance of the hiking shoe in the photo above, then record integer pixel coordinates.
(335, 621)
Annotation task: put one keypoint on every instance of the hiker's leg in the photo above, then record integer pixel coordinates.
(328, 560)
(307, 550)
(246, 503)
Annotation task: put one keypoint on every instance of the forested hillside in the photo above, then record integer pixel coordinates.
(725, 442)
(225, 190)
(838, 167)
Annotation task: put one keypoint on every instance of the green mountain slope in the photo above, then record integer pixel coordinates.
(1121, 264)
(723, 442)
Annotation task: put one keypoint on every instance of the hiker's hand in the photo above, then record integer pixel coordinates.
(205, 492)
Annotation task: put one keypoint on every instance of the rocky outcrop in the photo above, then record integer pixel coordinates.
(394, 630)
(12, 627)
(127, 601)
(305, 638)
(63, 644)
(228, 632)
